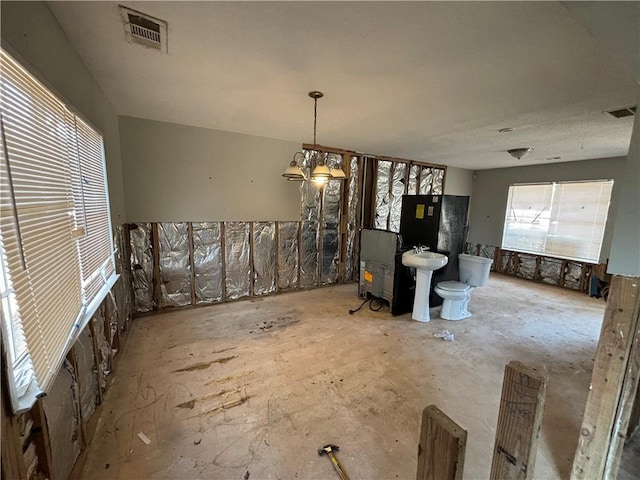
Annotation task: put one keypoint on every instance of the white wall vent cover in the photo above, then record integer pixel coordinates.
(144, 30)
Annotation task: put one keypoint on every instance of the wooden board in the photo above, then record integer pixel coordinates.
(442, 447)
(619, 328)
(519, 421)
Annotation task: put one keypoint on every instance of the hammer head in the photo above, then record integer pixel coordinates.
(328, 449)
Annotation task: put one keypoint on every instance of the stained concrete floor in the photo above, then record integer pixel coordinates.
(252, 389)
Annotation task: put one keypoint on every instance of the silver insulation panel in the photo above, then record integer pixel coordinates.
(87, 373)
(142, 266)
(414, 172)
(309, 254)
(382, 194)
(426, 180)
(527, 266)
(572, 275)
(310, 215)
(264, 258)
(397, 190)
(175, 268)
(550, 269)
(207, 262)
(330, 226)
(62, 409)
(237, 260)
(287, 255)
(104, 350)
(438, 181)
(352, 219)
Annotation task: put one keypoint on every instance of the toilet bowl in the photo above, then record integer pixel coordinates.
(473, 271)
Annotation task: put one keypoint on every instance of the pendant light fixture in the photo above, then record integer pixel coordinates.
(320, 173)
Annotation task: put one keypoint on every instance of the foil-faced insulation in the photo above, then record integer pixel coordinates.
(62, 410)
(310, 202)
(121, 288)
(237, 260)
(383, 174)
(175, 269)
(550, 269)
(309, 254)
(87, 373)
(527, 266)
(264, 258)
(352, 220)
(104, 350)
(572, 275)
(142, 266)
(414, 172)
(287, 255)
(207, 262)
(488, 251)
(397, 190)
(426, 179)
(330, 254)
(438, 181)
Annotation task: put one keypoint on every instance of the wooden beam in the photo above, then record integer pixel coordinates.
(442, 447)
(276, 239)
(157, 280)
(615, 367)
(519, 421)
(191, 266)
(41, 439)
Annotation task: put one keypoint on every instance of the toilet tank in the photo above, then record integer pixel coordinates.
(474, 270)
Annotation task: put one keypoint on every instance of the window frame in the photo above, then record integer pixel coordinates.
(550, 201)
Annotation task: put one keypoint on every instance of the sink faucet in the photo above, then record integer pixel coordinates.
(420, 249)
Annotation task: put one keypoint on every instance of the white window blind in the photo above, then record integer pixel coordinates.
(92, 211)
(565, 220)
(49, 265)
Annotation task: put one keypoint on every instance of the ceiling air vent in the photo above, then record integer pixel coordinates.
(144, 30)
(623, 112)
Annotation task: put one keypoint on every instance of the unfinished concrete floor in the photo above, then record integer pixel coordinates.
(253, 388)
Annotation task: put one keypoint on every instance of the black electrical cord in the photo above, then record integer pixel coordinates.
(375, 304)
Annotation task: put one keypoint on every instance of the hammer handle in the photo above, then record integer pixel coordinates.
(336, 465)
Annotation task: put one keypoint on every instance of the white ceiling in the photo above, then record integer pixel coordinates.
(430, 81)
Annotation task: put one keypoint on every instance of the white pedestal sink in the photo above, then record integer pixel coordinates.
(425, 263)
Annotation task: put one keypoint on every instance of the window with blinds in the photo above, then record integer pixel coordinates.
(564, 220)
(55, 233)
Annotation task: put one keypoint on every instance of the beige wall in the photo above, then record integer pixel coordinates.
(459, 181)
(32, 35)
(180, 173)
(490, 189)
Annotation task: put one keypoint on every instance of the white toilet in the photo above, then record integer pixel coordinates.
(473, 272)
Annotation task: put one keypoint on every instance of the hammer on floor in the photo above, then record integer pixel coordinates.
(328, 450)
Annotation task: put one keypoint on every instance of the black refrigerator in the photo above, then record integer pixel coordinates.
(440, 223)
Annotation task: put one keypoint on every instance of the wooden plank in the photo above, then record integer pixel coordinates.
(41, 439)
(223, 257)
(127, 265)
(97, 355)
(276, 239)
(519, 421)
(157, 280)
(344, 218)
(299, 281)
(191, 266)
(252, 270)
(442, 447)
(610, 373)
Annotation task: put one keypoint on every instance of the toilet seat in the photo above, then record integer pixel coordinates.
(453, 286)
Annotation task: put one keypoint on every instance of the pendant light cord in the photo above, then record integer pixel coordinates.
(315, 120)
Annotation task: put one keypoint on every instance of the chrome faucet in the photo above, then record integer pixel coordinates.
(420, 249)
